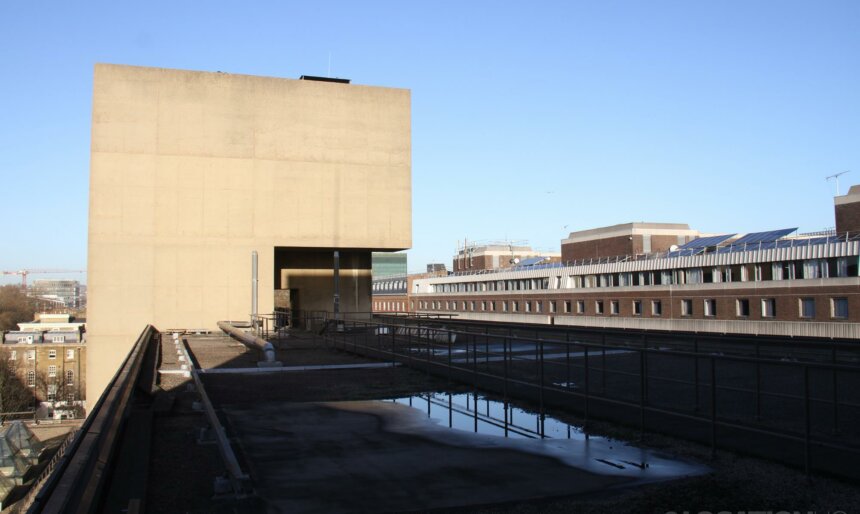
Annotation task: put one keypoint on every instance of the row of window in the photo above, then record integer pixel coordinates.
(787, 270)
(31, 355)
(390, 285)
(389, 306)
(806, 307)
(36, 338)
(52, 373)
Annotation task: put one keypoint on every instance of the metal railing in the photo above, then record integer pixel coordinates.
(800, 408)
(271, 325)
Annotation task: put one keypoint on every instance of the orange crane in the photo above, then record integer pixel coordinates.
(25, 272)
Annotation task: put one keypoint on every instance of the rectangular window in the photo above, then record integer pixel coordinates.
(471, 306)
(580, 306)
(552, 306)
(598, 307)
(52, 354)
(567, 306)
(52, 371)
(768, 307)
(637, 307)
(70, 377)
(710, 307)
(52, 392)
(515, 306)
(613, 307)
(31, 378)
(656, 308)
(807, 307)
(492, 306)
(537, 306)
(58, 339)
(839, 308)
(13, 355)
(742, 307)
(686, 307)
(31, 355)
(483, 306)
(528, 306)
(505, 306)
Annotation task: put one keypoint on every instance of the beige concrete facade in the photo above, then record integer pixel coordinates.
(191, 172)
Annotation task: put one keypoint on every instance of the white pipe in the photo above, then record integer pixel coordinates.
(254, 287)
(249, 340)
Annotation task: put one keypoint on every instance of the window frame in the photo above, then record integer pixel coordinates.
(804, 302)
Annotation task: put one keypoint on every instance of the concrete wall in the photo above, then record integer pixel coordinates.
(191, 172)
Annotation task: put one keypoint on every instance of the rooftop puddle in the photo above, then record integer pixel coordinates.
(473, 420)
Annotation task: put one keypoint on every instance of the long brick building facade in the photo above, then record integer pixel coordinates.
(669, 277)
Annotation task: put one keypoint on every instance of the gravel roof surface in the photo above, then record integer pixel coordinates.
(182, 471)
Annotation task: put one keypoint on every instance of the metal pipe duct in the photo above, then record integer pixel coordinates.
(251, 341)
(254, 287)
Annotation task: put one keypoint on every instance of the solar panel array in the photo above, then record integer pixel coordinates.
(531, 261)
(755, 241)
(704, 242)
(764, 237)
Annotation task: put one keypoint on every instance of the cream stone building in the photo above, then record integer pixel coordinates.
(191, 172)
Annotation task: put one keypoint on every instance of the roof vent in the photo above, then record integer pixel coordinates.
(324, 79)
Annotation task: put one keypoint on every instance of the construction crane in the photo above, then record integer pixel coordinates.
(25, 272)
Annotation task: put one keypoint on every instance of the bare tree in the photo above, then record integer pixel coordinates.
(15, 396)
(15, 307)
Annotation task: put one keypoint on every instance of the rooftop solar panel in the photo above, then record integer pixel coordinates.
(764, 237)
(531, 261)
(703, 242)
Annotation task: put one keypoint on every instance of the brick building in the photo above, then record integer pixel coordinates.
(663, 277)
(55, 371)
(625, 239)
(496, 255)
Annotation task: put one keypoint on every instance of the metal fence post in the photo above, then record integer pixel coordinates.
(807, 422)
(835, 387)
(487, 347)
(474, 355)
(641, 394)
(603, 364)
(429, 353)
(713, 408)
(585, 357)
(696, 374)
(450, 371)
(542, 412)
(505, 343)
(757, 381)
(567, 358)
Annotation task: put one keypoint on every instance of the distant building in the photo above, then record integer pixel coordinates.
(389, 293)
(50, 358)
(625, 239)
(388, 264)
(436, 268)
(496, 255)
(655, 276)
(69, 293)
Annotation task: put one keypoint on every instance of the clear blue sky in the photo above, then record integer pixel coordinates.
(527, 117)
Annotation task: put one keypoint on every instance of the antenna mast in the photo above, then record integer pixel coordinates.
(835, 177)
